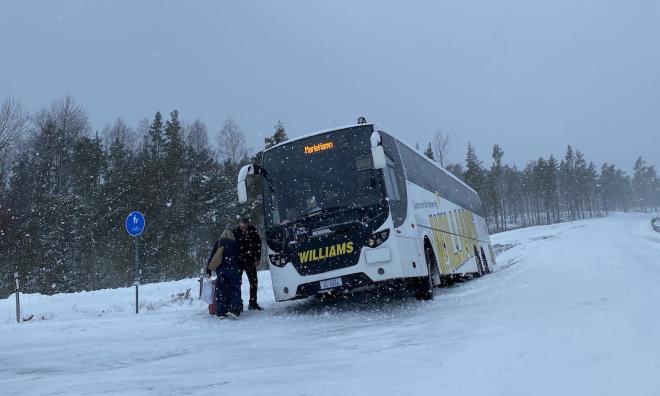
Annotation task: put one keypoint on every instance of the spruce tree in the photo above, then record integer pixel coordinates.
(580, 183)
(644, 185)
(118, 197)
(567, 182)
(608, 188)
(278, 136)
(456, 170)
(156, 136)
(474, 174)
(496, 188)
(551, 196)
(176, 224)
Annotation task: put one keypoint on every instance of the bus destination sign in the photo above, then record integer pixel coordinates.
(318, 147)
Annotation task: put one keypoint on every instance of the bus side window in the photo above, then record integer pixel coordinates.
(397, 195)
(390, 180)
(391, 185)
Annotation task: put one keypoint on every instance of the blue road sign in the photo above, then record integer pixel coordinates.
(135, 224)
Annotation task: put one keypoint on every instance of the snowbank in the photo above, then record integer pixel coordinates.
(176, 296)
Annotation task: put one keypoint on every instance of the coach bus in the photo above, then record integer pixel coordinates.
(350, 208)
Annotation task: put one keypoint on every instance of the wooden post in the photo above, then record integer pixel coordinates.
(18, 299)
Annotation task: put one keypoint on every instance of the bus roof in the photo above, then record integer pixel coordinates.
(305, 136)
(375, 128)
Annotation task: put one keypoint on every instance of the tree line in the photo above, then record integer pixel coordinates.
(548, 190)
(65, 191)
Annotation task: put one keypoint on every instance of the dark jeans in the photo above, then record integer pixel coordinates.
(228, 291)
(251, 272)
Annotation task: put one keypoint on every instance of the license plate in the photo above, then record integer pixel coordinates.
(330, 283)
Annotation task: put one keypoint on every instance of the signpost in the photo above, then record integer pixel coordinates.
(135, 226)
(18, 299)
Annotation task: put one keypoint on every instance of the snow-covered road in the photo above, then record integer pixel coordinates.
(571, 310)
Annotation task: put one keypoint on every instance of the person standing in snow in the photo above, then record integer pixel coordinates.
(249, 256)
(228, 283)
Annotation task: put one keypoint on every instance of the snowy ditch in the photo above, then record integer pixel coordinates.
(181, 296)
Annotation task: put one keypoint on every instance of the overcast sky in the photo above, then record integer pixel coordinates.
(530, 76)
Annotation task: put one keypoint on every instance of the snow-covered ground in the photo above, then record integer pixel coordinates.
(572, 309)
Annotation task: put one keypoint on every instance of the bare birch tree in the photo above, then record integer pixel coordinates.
(231, 142)
(440, 145)
(68, 117)
(121, 133)
(197, 136)
(13, 122)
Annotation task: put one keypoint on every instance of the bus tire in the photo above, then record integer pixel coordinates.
(424, 289)
(485, 261)
(480, 268)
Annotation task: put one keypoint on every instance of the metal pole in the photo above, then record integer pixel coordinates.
(18, 299)
(137, 281)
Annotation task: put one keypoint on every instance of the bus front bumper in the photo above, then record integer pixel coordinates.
(353, 281)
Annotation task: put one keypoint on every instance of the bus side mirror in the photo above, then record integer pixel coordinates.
(241, 186)
(378, 154)
(377, 151)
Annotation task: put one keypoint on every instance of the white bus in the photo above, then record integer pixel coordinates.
(352, 207)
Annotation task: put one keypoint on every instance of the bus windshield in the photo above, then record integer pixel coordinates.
(316, 175)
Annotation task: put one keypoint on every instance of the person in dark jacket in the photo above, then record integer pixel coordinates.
(249, 256)
(228, 282)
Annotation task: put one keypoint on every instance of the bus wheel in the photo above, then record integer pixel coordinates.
(424, 289)
(480, 267)
(484, 260)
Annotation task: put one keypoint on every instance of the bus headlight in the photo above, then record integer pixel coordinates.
(278, 260)
(378, 238)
